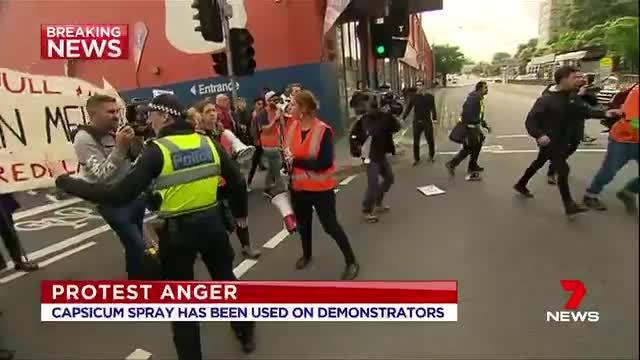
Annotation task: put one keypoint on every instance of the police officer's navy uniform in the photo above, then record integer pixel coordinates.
(185, 170)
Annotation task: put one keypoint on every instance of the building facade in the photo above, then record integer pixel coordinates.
(550, 20)
(291, 44)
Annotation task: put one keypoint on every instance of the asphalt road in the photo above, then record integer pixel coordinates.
(507, 253)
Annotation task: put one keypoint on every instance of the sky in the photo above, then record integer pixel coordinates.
(483, 27)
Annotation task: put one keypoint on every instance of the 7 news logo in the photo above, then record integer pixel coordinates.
(570, 314)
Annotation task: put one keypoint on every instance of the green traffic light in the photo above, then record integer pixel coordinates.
(380, 49)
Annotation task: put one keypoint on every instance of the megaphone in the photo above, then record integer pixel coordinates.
(283, 203)
(235, 147)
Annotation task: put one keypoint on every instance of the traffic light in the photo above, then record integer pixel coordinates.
(208, 15)
(380, 40)
(389, 34)
(220, 63)
(242, 52)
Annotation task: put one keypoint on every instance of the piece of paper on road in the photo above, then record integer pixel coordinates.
(431, 190)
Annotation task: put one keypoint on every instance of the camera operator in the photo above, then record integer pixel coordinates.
(380, 126)
(105, 155)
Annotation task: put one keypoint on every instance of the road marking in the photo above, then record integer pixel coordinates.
(50, 261)
(74, 240)
(52, 198)
(512, 136)
(276, 239)
(347, 180)
(243, 267)
(491, 151)
(336, 190)
(139, 354)
(44, 208)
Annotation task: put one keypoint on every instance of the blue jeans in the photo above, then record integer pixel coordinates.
(618, 155)
(126, 221)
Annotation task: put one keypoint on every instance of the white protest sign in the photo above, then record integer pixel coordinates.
(431, 190)
(38, 113)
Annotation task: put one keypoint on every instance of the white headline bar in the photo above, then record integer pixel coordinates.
(248, 312)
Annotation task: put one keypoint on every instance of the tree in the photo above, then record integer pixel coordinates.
(621, 37)
(449, 60)
(525, 53)
(584, 14)
(500, 58)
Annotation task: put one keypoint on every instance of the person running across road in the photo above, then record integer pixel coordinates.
(472, 118)
(552, 121)
(424, 106)
(310, 155)
(186, 199)
(622, 148)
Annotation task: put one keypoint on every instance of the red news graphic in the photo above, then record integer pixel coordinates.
(577, 290)
(248, 301)
(87, 42)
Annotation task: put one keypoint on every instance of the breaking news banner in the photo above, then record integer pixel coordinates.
(145, 301)
(86, 42)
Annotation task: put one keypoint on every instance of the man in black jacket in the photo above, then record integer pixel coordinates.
(380, 127)
(424, 106)
(473, 118)
(553, 121)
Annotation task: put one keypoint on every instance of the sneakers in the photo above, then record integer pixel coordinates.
(250, 253)
(593, 203)
(574, 209)
(26, 266)
(551, 180)
(522, 190)
(629, 200)
(473, 176)
(351, 271)
(302, 263)
(476, 169)
(450, 169)
(370, 217)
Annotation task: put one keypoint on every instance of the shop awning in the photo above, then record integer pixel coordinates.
(576, 55)
(546, 59)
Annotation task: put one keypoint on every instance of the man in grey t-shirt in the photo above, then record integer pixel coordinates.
(105, 156)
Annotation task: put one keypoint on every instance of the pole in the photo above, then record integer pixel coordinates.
(226, 13)
(433, 64)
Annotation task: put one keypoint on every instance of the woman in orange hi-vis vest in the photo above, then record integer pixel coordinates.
(622, 148)
(311, 160)
(211, 127)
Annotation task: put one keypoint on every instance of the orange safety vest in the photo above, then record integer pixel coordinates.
(270, 138)
(307, 180)
(626, 129)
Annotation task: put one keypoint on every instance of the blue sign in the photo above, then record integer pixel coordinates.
(319, 78)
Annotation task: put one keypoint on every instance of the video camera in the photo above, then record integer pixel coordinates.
(136, 116)
(385, 101)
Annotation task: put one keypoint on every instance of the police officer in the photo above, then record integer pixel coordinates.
(184, 169)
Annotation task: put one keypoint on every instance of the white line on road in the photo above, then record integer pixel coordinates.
(347, 180)
(50, 261)
(276, 239)
(512, 136)
(243, 267)
(522, 151)
(44, 208)
(139, 354)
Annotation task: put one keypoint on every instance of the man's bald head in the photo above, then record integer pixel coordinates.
(222, 101)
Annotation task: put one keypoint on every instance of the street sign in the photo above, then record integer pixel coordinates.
(213, 88)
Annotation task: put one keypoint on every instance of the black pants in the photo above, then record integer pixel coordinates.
(376, 189)
(572, 149)
(10, 238)
(230, 218)
(255, 162)
(324, 202)
(558, 157)
(181, 239)
(418, 128)
(467, 150)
